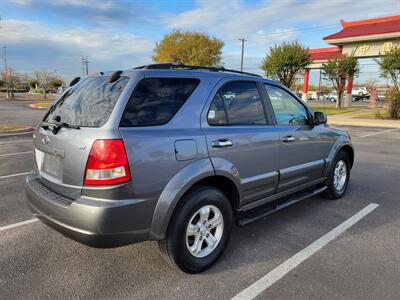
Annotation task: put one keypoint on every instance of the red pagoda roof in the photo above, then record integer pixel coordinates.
(367, 27)
(325, 53)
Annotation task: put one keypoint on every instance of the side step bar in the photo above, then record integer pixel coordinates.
(259, 213)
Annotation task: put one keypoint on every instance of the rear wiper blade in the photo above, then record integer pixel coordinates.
(46, 125)
(58, 126)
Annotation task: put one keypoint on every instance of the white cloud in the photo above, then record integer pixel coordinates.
(271, 22)
(104, 12)
(36, 46)
(236, 18)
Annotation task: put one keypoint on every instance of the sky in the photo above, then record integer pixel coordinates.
(54, 35)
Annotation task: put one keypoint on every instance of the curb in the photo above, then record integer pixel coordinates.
(35, 106)
(26, 130)
(364, 124)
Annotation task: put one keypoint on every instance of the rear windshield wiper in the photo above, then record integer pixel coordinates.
(57, 126)
(46, 125)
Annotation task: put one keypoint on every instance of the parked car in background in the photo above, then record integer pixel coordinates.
(381, 96)
(333, 96)
(359, 91)
(176, 154)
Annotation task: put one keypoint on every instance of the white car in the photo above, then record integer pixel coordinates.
(333, 96)
(359, 91)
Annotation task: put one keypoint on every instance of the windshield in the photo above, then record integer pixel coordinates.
(89, 103)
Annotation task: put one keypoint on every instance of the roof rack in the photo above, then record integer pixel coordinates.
(172, 66)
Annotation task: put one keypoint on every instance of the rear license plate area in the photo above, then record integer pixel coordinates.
(49, 164)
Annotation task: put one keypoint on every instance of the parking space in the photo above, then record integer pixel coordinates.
(36, 262)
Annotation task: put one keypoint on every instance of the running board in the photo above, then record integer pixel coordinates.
(259, 213)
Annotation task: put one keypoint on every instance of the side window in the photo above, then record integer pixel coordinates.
(287, 109)
(156, 100)
(243, 103)
(216, 113)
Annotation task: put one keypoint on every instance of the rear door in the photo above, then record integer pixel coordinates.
(303, 147)
(61, 154)
(241, 140)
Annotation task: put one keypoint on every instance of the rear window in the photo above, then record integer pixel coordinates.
(88, 103)
(156, 100)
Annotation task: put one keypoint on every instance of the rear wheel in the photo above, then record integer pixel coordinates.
(338, 178)
(199, 230)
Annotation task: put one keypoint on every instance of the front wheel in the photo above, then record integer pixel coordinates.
(199, 230)
(338, 178)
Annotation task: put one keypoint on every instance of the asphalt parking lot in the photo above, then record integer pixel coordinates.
(361, 263)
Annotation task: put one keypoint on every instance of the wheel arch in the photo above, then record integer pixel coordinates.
(343, 143)
(197, 174)
(349, 151)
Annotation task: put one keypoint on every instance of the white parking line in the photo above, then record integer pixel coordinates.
(4, 228)
(15, 153)
(14, 175)
(17, 141)
(375, 133)
(265, 282)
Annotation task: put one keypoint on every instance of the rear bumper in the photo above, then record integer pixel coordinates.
(94, 222)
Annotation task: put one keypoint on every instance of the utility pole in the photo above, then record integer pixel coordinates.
(85, 66)
(6, 71)
(319, 84)
(241, 59)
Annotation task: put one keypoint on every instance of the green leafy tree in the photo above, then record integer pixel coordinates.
(390, 69)
(283, 62)
(337, 70)
(189, 48)
(56, 83)
(33, 83)
(390, 66)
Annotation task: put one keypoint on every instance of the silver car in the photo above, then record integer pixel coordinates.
(177, 154)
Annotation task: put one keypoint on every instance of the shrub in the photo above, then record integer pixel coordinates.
(392, 102)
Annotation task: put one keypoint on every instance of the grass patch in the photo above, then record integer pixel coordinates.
(378, 113)
(4, 128)
(330, 111)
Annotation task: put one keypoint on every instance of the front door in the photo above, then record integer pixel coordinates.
(241, 140)
(303, 147)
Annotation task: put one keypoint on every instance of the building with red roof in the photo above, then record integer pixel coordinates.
(363, 39)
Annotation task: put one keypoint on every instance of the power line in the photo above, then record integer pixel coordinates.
(315, 28)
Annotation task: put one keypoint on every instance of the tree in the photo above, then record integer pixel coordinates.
(44, 78)
(33, 83)
(337, 70)
(56, 83)
(284, 61)
(390, 66)
(189, 48)
(390, 69)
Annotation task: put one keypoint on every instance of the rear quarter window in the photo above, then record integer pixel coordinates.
(156, 100)
(88, 103)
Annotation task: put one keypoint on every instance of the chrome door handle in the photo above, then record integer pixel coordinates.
(288, 139)
(221, 143)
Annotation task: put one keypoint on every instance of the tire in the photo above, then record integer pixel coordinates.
(360, 94)
(334, 192)
(176, 247)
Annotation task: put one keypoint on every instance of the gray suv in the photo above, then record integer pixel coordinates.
(177, 154)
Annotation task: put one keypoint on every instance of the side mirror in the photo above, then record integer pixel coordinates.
(320, 118)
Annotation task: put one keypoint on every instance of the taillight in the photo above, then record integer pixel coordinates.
(107, 163)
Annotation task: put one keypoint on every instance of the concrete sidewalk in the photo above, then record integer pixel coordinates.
(353, 119)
